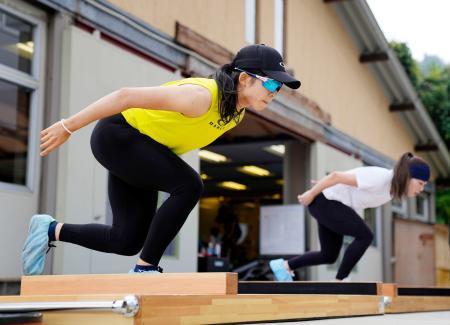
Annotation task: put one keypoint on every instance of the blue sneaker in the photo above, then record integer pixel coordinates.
(132, 271)
(280, 272)
(155, 269)
(36, 245)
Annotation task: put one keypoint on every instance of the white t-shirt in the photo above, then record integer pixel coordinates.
(373, 190)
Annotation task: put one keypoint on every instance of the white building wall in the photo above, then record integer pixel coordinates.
(91, 69)
(325, 159)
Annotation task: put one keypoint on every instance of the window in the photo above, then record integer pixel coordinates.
(19, 81)
(14, 119)
(16, 42)
(400, 208)
(372, 217)
(422, 207)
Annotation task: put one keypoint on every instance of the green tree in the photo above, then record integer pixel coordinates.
(443, 206)
(432, 86)
(406, 59)
(432, 83)
(434, 92)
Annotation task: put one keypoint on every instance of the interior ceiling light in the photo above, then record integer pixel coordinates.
(233, 186)
(212, 156)
(276, 149)
(254, 170)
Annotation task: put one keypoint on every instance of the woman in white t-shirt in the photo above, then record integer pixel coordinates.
(337, 202)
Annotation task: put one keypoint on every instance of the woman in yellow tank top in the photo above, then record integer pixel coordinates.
(140, 134)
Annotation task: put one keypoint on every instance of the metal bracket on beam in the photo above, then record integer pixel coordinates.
(401, 107)
(426, 147)
(373, 57)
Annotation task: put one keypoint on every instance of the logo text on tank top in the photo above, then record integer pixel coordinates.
(219, 125)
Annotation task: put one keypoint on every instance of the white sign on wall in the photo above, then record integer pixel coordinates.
(282, 230)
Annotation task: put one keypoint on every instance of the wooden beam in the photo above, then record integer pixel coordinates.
(387, 289)
(170, 283)
(373, 57)
(426, 147)
(254, 308)
(200, 44)
(401, 107)
(414, 304)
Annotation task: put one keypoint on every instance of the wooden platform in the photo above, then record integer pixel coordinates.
(418, 299)
(212, 309)
(169, 283)
(211, 298)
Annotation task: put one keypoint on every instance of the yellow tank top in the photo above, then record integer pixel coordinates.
(177, 131)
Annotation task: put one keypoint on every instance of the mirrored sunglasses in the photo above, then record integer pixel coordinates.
(271, 85)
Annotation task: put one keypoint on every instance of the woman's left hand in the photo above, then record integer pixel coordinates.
(306, 198)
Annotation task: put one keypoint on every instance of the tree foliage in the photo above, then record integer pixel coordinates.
(431, 79)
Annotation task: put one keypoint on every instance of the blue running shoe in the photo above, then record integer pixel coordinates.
(132, 271)
(36, 245)
(155, 269)
(280, 272)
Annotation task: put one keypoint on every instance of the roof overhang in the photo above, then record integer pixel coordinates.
(387, 69)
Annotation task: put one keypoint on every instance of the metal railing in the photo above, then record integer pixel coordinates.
(128, 306)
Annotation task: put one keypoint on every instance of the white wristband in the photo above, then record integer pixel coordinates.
(65, 128)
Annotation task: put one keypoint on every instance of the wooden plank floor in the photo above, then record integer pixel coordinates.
(158, 284)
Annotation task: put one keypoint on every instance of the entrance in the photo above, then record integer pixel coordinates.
(250, 167)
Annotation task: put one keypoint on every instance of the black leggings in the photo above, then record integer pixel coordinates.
(138, 168)
(335, 220)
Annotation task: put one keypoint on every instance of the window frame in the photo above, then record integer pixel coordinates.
(402, 209)
(425, 217)
(35, 84)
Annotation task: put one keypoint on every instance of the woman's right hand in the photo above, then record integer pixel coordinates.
(306, 198)
(52, 137)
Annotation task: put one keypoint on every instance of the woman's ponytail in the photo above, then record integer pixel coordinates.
(227, 79)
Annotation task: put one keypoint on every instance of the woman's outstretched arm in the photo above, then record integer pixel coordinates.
(190, 100)
(331, 179)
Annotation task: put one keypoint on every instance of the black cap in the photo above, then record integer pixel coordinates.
(266, 59)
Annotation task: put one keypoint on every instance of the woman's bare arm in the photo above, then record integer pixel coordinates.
(326, 182)
(190, 100)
